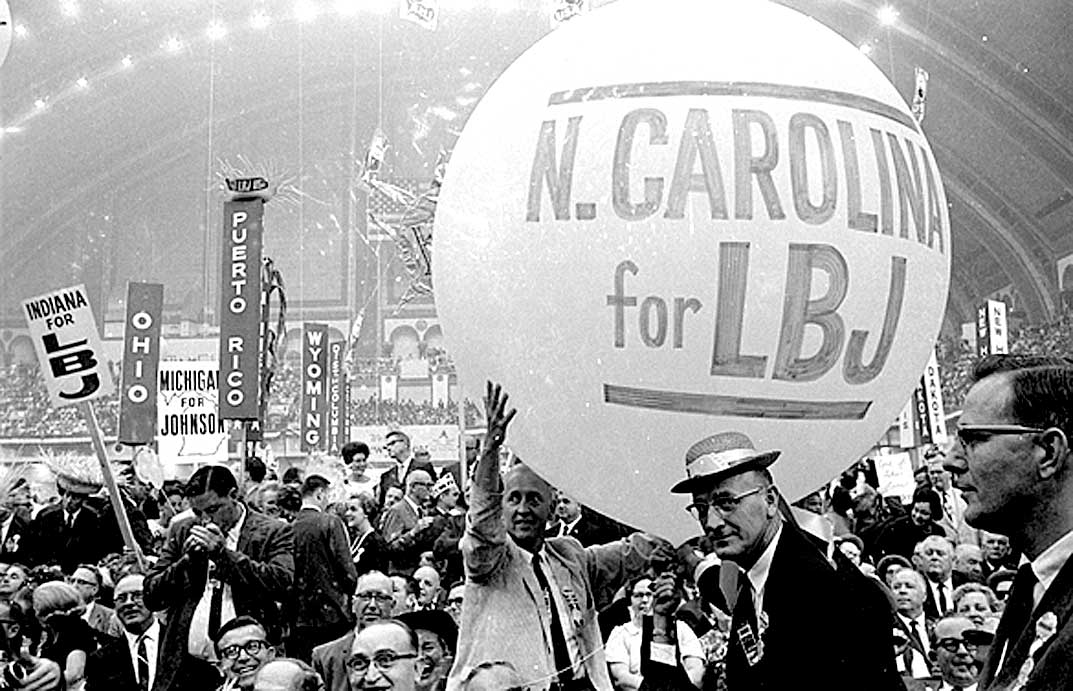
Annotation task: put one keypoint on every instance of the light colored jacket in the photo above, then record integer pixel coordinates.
(503, 615)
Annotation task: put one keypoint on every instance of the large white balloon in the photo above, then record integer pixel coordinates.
(670, 219)
(6, 30)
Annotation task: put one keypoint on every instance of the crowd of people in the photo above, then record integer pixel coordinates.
(480, 575)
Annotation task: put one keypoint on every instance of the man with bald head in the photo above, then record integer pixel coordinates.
(531, 601)
(287, 674)
(374, 600)
(384, 656)
(954, 658)
(407, 527)
(794, 611)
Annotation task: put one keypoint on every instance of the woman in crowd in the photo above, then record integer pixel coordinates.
(367, 546)
(975, 601)
(623, 649)
(68, 638)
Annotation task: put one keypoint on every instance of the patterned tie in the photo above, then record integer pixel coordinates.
(143, 664)
(563, 666)
(744, 629)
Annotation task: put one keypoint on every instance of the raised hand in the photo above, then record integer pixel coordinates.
(495, 409)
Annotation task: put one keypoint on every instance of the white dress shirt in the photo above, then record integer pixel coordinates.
(199, 642)
(920, 667)
(152, 641)
(1047, 565)
(758, 578)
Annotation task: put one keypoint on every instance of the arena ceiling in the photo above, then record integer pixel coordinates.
(119, 115)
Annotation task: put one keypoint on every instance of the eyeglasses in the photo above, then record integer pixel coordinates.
(254, 647)
(382, 598)
(971, 435)
(724, 506)
(83, 581)
(135, 597)
(455, 601)
(383, 659)
(951, 645)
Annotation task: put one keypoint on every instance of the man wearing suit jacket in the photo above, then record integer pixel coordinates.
(934, 558)
(577, 521)
(908, 588)
(1013, 461)
(87, 581)
(68, 533)
(397, 444)
(954, 659)
(324, 572)
(373, 602)
(406, 528)
(130, 662)
(223, 562)
(13, 529)
(794, 613)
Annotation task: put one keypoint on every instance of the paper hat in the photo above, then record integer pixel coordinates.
(718, 456)
(444, 484)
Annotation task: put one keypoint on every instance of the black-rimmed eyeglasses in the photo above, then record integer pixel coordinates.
(724, 505)
(970, 435)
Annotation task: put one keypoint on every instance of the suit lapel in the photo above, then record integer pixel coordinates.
(1057, 601)
(250, 530)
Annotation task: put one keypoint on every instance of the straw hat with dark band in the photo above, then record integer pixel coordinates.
(75, 485)
(718, 456)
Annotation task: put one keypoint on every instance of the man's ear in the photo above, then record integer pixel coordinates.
(1055, 447)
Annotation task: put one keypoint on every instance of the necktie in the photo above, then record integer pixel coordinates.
(915, 637)
(1015, 619)
(746, 632)
(143, 665)
(941, 599)
(563, 666)
(70, 521)
(216, 604)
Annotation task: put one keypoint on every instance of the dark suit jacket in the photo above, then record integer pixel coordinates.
(260, 574)
(931, 607)
(329, 660)
(820, 620)
(52, 542)
(324, 575)
(1053, 660)
(391, 476)
(404, 546)
(110, 668)
(13, 547)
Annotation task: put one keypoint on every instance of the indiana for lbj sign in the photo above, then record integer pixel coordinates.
(68, 346)
(741, 227)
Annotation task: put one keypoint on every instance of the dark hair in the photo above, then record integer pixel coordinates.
(369, 505)
(92, 569)
(351, 449)
(173, 487)
(1040, 397)
(293, 476)
(313, 484)
(232, 624)
(841, 500)
(412, 588)
(290, 499)
(211, 477)
(255, 469)
(995, 364)
(925, 495)
(397, 433)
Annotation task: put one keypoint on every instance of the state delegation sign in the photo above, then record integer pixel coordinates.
(189, 428)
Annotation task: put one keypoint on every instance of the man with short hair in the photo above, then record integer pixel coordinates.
(130, 663)
(794, 610)
(224, 562)
(86, 579)
(934, 558)
(68, 533)
(397, 445)
(287, 674)
(968, 564)
(954, 659)
(437, 640)
(997, 554)
(952, 517)
(13, 526)
(373, 602)
(430, 593)
(908, 588)
(384, 656)
(456, 595)
(407, 528)
(324, 574)
(532, 601)
(1013, 461)
(243, 648)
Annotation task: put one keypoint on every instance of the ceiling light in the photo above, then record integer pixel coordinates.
(260, 20)
(21, 30)
(127, 61)
(216, 31)
(305, 11)
(82, 83)
(173, 45)
(887, 15)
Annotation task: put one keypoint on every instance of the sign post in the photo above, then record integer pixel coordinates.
(69, 349)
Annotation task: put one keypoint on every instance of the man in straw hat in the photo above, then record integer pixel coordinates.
(68, 533)
(794, 613)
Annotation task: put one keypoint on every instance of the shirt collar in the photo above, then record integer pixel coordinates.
(413, 504)
(759, 572)
(151, 634)
(1047, 565)
(236, 530)
(307, 505)
(570, 526)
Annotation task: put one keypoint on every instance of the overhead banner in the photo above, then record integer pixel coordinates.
(314, 386)
(190, 429)
(991, 334)
(933, 399)
(338, 398)
(240, 310)
(141, 358)
(68, 346)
